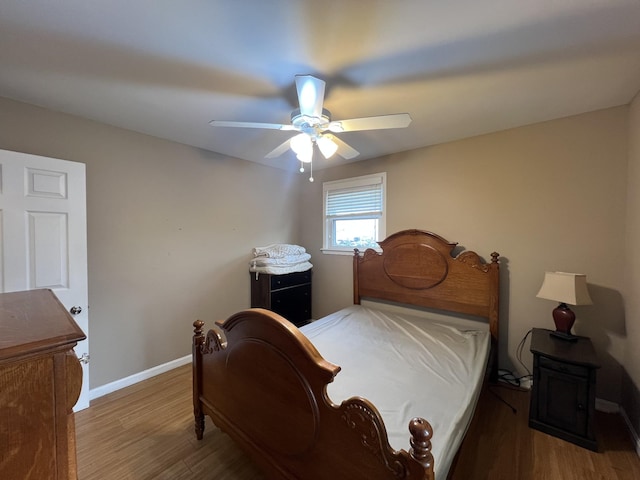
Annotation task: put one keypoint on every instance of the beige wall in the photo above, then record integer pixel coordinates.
(170, 231)
(171, 227)
(631, 382)
(549, 196)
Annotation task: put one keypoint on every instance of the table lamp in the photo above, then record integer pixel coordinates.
(568, 289)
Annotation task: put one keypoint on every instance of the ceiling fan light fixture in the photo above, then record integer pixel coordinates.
(301, 144)
(305, 157)
(327, 146)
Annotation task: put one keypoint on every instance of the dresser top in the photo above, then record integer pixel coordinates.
(34, 320)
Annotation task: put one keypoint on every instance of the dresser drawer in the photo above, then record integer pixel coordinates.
(562, 367)
(289, 295)
(290, 279)
(293, 303)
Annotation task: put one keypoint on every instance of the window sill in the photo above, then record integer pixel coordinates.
(335, 251)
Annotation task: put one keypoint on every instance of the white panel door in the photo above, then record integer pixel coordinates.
(43, 235)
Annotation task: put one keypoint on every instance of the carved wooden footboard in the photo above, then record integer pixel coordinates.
(263, 383)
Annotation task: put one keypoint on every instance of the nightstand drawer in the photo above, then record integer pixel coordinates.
(290, 279)
(289, 295)
(562, 367)
(293, 303)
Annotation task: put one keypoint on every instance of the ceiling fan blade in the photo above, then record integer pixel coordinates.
(344, 150)
(279, 150)
(310, 95)
(396, 120)
(271, 126)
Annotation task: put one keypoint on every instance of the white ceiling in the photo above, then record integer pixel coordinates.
(458, 67)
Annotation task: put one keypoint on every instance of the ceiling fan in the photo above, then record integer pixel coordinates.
(316, 127)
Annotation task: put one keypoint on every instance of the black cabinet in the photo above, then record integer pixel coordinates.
(288, 295)
(564, 388)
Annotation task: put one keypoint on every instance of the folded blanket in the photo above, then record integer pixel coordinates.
(286, 260)
(282, 269)
(278, 250)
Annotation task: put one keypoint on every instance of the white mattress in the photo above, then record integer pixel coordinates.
(430, 368)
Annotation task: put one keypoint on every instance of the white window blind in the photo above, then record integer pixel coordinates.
(354, 213)
(364, 200)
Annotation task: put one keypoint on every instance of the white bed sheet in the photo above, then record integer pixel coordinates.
(429, 368)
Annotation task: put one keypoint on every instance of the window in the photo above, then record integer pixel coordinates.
(354, 213)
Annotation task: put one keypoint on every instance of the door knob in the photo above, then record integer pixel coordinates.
(75, 310)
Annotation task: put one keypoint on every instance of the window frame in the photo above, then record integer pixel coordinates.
(345, 184)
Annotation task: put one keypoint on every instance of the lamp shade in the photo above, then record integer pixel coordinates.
(569, 288)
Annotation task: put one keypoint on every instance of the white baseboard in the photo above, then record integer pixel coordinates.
(634, 435)
(610, 407)
(137, 377)
(606, 406)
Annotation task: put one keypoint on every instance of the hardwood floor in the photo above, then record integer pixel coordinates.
(500, 446)
(146, 432)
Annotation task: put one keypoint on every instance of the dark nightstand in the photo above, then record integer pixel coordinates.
(288, 295)
(564, 388)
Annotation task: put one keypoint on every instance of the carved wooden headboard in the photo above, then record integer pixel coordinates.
(417, 268)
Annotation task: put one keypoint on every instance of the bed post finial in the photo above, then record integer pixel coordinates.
(421, 433)
(197, 327)
(494, 257)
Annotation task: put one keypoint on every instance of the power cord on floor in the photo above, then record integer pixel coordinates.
(495, 394)
(519, 353)
(508, 378)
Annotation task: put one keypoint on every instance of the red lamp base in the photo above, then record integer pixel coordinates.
(564, 319)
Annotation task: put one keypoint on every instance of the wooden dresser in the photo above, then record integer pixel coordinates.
(40, 381)
(288, 295)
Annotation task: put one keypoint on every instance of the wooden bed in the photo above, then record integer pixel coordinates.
(264, 383)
